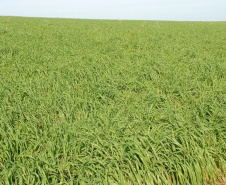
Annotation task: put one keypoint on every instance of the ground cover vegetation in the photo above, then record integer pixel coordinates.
(112, 102)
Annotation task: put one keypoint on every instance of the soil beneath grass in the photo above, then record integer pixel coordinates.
(222, 182)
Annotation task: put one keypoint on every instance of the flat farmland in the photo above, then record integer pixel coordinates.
(112, 102)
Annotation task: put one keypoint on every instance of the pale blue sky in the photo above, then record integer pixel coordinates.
(189, 10)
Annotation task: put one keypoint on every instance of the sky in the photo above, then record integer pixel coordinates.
(179, 10)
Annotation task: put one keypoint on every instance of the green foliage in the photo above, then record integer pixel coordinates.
(112, 102)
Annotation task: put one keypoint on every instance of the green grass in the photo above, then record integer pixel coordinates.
(112, 102)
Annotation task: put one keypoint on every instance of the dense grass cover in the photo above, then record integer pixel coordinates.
(112, 102)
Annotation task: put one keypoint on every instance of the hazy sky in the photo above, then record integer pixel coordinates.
(203, 10)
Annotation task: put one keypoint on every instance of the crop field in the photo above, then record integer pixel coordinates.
(112, 102)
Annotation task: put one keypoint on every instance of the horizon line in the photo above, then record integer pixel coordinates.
(110, 19)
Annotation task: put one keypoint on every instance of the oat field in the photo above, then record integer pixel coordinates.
(112, 102)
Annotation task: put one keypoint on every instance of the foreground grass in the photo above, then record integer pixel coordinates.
(112, 102)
